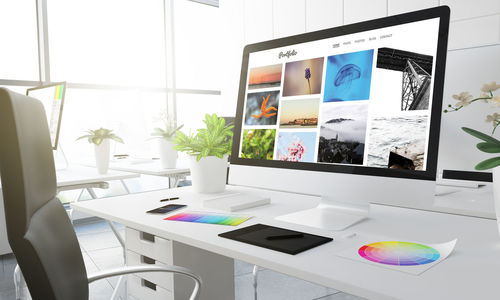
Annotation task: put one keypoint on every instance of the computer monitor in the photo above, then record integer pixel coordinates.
(52, 98)
(350, 113)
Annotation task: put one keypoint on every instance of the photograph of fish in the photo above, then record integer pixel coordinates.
(262, 108)
(265, 77)
(299, 113)
(416, 75)
(303, 77)
(398, 142)
(342, 133)
(296, 146)
(348, 76)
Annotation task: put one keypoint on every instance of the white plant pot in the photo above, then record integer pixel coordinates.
(102, 156)
(496, 193)
(209, 174)
(168, 156)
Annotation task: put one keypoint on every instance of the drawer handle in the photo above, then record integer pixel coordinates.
(147, 237)
(147, 260)
(148, 284)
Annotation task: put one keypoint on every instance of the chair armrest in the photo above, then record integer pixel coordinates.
(143, 269)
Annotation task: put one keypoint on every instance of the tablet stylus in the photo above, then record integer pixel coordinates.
(284, 237)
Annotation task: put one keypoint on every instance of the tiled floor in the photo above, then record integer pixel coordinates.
(101, 251)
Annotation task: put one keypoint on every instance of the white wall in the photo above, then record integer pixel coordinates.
(474, 49)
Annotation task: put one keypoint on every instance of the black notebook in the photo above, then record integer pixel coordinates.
(275, 238)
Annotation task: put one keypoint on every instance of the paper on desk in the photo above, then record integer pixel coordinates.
(351, 252)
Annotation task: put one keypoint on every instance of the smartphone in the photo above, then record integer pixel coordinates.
(166, 209)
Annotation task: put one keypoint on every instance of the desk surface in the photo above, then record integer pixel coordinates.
(151, 167)
(471, 272)
(76, 174)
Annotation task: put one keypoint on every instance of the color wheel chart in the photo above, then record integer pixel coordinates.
(397, 253)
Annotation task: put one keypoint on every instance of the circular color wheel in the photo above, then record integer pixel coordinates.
(399, 253)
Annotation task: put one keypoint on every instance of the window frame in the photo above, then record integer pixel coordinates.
(170, 88)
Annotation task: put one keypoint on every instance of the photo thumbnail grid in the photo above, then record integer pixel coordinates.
(322, 110)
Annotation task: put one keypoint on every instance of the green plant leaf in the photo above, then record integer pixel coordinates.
(116, 139)
(481, 135)
(83, 137)
(97, 140)
(213, 140)
(98, 135)
(488, 147)
(488, 164)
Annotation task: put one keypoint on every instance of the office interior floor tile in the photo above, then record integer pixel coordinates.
(102, 251)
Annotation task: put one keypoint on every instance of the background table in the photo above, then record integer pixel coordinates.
(152, 167)
(73, 177)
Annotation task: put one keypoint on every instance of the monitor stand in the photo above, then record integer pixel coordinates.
(330, 214)
(60, 161)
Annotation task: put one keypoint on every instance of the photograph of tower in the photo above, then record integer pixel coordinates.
(416, 72)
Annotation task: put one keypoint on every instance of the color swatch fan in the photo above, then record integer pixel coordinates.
(399, 253)
(209, 218)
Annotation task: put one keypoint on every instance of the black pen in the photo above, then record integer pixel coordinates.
(169, 199)
(284, 237)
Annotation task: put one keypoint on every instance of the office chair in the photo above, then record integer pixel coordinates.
(38, 228)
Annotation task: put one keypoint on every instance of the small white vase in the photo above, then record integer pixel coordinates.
(209, 174)
(102, 156)
(168, 156)
(496, 193)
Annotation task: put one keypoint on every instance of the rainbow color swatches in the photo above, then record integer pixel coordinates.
(399, 253)
(208, 218)
(58, 93)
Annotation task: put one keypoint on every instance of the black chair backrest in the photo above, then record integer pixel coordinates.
(38, 227)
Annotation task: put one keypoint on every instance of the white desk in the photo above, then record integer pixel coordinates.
(73, 177)
(152, 167)
(471, 272)
(76, 174)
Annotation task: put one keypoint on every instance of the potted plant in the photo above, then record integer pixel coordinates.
(208, 151)
(488, 143)
(165, 136)
(100, 138)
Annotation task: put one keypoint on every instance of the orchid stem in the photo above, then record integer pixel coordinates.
(495, 127)
(473, 100)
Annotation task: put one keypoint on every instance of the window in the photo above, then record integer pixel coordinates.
(114, 55)
(197, 46)
(18, 31)
(107, 42)
(129, 113)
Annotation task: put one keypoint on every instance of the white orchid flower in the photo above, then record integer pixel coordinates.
(463, 99)
(492, 118)
(496, 100)
(490, 87)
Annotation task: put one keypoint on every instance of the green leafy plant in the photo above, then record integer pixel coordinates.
(214, 140)
(258, 143)
(169, 129)
(489, 144)
(99, 135)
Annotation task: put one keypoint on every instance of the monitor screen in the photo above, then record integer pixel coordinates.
(356, 99)
(52, 98)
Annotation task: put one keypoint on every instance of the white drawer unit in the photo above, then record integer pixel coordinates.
(148, 245)
(143, 289)
(216, 271)
(162, 279)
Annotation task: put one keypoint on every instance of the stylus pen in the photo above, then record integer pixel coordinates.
(285, 237)
(169, 199)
